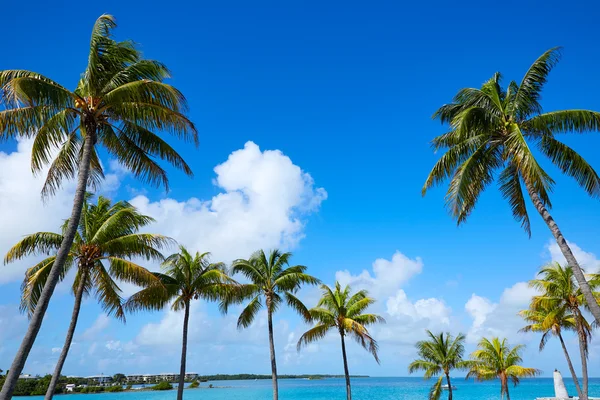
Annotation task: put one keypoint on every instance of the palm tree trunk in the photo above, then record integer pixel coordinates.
(186, 320)
(69, 338)
(449, 387)
(40, 310)
(567, 253)
(346, 373)
(573, 373)
(583, 353)
(273, 362)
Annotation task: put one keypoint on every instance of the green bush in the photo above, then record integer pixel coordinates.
(162, 386)
(194, 384)
(92, 389)
(117, 388)
(128, 387)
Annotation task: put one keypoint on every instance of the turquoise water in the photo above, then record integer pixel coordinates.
(333, 389)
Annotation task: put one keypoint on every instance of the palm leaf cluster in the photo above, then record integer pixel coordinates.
(185, 277)
(439, 355)
(494, 134)
(342, 311)
(120, 102)
(271, 282)
(106, 241)
(495, 359)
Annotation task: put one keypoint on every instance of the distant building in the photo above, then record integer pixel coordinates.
(167, 377)
(26, 376)
(100, 379)
(70, 387)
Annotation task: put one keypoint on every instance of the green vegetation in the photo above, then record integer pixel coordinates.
(162, 386)
(273, 281)
(340, 311)
(186, 278)
(492, 133)
(439, 356)
(559, 307)
(120, 102)
(195, 384)
(107, 235)
(494, 359)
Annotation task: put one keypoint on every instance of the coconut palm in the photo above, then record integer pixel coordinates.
(439, 355)
(494, 359)
(186, 277)
(342, 311)
(273, 281)
(492, 133)
(552, 322)
(106, 239)
(120, 102)
(560, 292)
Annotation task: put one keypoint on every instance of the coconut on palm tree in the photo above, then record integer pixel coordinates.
(340, 310)
(106, 240)
(552, 321)
(120, 103)
(272, 281)
(495, 359)
(440, 354)
(493, 132)
(560, 292)
(186, 277)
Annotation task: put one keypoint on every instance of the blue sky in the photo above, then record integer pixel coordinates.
(344, 91)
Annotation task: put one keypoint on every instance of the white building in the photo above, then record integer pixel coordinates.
(166, 376)
(100, 379)
(70, 387)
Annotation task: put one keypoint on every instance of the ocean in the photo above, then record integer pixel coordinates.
(334, 389)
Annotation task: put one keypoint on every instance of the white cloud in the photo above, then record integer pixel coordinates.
(264, 200)
(99, 325)
(498, 319)
(22, 211)
(588, 261)
(431, 309)
(387, 276)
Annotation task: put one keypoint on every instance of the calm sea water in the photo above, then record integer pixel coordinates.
(333, 389)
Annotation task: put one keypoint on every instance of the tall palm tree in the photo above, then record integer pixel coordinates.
(273, 280)
(493, 131)
(494, 359)
(186, 277)
(107, 235)
(342, 311)
(120, 102)
(551, 322)
(560, 292)
(439, 355)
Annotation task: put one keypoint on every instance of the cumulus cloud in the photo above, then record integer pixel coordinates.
(265, 197)
(387, 275)
(588, 261)
(22, 211)
(498, 319)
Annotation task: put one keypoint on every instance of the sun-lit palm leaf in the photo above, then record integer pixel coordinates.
(314, 334)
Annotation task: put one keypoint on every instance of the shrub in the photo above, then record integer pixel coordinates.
(128, 387)
(117, 388)
(162, 386)
(194, 384)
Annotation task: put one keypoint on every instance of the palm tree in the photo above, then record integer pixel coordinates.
(120, 102)
(494, 359)
(439, 355)
(342, 311)
(272, 280)
(552, 322)
(561, 293)
(492, 131)
(186, 277)
(107, 234)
